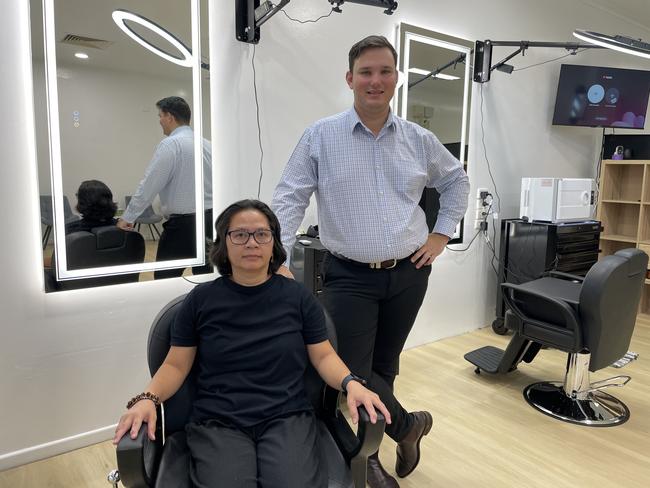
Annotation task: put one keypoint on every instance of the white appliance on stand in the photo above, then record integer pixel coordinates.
(557, 199)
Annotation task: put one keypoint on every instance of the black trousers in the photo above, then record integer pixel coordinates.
(280, 453)
(178, 241)
(373, 311)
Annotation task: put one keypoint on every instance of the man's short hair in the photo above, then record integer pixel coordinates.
(176, 106)
(370, 42)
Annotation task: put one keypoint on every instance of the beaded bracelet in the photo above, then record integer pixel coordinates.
(143, 396)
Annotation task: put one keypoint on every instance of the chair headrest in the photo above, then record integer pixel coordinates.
(637, 260)
(109, 236)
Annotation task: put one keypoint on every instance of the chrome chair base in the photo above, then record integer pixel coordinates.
(598, 409)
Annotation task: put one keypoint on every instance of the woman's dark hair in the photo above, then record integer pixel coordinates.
(95, 201)
(219, 250)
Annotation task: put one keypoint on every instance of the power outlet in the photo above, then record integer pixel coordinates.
(481, 207)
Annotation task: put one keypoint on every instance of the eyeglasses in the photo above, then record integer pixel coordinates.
(241, 237)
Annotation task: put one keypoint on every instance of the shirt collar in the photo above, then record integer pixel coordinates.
(179, 129)
(353, 120)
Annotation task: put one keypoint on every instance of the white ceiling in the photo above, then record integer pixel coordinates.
(92, 18)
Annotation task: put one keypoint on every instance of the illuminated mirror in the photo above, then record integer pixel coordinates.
(96, 86)
(439, 103)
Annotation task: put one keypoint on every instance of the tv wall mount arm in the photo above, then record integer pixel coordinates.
(483, 66)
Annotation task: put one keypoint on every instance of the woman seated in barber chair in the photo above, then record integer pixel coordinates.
(96, 206)
(251, 332)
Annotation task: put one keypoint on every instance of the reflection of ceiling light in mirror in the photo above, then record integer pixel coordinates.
(442, 76)
(120, 16)
(618, 43)
(81, 55)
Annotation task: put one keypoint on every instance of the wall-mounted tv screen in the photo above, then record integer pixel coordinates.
(594, 96)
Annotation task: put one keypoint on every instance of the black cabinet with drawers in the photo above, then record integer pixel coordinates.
(530, 249)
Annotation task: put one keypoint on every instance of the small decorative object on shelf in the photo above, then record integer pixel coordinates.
(619, 153)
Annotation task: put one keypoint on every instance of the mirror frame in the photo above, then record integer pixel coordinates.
(62, 271)
(405, 34)
(411, 36)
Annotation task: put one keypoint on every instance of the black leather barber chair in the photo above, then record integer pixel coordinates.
(165, 462)
(102, 246)
(591, 318)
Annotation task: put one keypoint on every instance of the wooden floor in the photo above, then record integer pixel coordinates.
(484, 435)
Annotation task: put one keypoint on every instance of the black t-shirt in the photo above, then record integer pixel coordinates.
(251, 350)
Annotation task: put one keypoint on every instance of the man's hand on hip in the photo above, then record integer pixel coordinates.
(430, 250)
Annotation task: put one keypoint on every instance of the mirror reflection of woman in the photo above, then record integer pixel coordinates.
(96, 206)
(251, 331)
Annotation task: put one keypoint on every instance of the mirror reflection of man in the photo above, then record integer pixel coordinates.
(170, 175)
(368, 169)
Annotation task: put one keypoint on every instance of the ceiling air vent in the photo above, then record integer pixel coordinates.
(76, 40)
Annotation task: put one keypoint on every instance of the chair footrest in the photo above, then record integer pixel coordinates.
(487, 358)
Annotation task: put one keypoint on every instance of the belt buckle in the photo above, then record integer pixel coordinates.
(378, 264)
(392, 265)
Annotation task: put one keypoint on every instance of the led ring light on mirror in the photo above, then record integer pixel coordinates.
(121, 16)
(618, 43)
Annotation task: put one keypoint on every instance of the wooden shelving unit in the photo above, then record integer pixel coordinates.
(624, 210)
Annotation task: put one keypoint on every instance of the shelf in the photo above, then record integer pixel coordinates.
(622, 182)
(624, 211)
(618, 238)
(620, 219)
(625, 202)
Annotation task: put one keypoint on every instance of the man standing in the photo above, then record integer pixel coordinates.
(368, 169)
(170, 175)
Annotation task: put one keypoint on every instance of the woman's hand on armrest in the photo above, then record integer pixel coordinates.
(143, 411)
(167, 380)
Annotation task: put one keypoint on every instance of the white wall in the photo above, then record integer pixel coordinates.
(69, 361)
(118, 129)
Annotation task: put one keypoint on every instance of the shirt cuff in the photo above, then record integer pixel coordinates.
(445, 225)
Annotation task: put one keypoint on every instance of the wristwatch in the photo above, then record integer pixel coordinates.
(351, 377)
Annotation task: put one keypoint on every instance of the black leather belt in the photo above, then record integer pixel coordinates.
(388, 264)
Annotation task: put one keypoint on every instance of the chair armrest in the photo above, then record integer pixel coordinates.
(138, 459)
(568, 314)
(368, 437)
(566, 276)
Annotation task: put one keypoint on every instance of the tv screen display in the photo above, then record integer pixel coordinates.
(594, 96)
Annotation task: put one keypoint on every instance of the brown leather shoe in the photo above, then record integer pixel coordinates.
(408, 449)
(378, 477)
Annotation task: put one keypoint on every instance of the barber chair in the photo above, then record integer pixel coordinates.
(591, 318)
(102, 246)
(165, 462)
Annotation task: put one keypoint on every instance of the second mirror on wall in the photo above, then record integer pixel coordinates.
(99, 69)
(436, 95)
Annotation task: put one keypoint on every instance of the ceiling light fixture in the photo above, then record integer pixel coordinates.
(81, 55)
(627, 45)
(121, 16)
(442, 76)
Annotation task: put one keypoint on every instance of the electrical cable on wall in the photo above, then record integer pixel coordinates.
(310, 20)
(259, 127)
(257, 104)
(573, 53)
